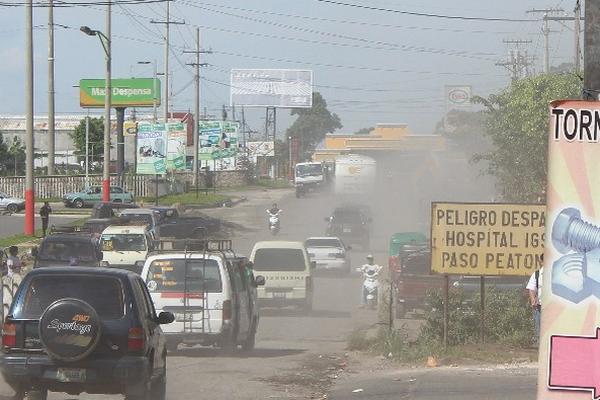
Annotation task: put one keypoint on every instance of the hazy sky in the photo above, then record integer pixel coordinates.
(371, 66)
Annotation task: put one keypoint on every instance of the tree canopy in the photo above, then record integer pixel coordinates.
(313, 124)
(96, 137)
(516, 121)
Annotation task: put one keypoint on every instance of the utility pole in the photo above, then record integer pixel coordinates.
(29, 184)
(107, 105)
(518, 61)
(51, 124)
(167, 24)
(197, 65)
(591, 51)
(546, 31)
(577, 29)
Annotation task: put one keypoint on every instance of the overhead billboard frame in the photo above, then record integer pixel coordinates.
(134, 92)
(271, 88)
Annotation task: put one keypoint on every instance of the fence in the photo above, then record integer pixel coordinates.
(139, 185)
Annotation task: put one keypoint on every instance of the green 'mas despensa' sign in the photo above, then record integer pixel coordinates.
(134, 92)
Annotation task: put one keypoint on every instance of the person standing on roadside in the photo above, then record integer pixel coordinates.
(45, 212)
(13, 262)
(534, 287)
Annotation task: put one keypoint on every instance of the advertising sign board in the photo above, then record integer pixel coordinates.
(570, 295)
(218, 139)
(134, 92)
(283, 88)
(151, 149)
(261, 149)
(487, 239)
(176, 145)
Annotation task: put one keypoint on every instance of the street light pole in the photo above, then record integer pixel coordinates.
(107, 104)
(51, 133)
(29, 183)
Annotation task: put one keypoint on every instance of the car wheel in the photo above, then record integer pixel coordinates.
(159, 386)
(250, 341)
(78, 203)
(12, 208)
(37, 395)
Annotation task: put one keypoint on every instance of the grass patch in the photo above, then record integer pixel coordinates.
(203, 199)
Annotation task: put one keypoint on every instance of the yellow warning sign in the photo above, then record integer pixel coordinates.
(487, 238)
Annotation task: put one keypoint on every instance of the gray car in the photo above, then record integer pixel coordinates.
(329, 253)
(11, 204)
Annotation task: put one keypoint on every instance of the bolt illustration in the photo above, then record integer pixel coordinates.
(570, 232)
(568, 278)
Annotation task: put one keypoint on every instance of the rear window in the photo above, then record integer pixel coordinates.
(347, 217)
(104, 294)
(123, 242)
(203, 276)
(279, 260)
(57, 250)
(323, 243)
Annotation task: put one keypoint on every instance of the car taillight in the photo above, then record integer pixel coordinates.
(308, 283)
(9, 335)
(226, 310)
(135, 340)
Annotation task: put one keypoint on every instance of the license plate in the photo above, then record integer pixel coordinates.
(71, 375)
(279, 295)
(181, 317)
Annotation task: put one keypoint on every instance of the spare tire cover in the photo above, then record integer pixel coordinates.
(69, 329)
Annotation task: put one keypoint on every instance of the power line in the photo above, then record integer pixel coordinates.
(421, 14)
(64, 4)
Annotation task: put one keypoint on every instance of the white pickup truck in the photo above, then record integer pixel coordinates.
(308, 176)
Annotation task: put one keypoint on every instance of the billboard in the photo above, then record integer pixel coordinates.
(151, 154)
(487, 238)
(176, 146)
(218, 139)
(134, 92)
(570, 295)
(282, 88)
(261, 149)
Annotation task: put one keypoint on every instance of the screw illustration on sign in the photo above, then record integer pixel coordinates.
(569, 341)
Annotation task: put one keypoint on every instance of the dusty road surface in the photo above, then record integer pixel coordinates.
(301, 356)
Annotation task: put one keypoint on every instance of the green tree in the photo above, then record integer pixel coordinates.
(466, 130)
(17, 154)
(313, 124)
(5, 158)
(364, 131)
(516, 120)
(96, 138)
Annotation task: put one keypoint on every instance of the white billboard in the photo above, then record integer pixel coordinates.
(281, 88)
(458, 97)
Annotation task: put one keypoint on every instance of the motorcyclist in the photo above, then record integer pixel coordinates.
(274, 210)
(366, 269)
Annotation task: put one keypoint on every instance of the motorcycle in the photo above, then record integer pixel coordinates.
(274, 224)
(371, 285)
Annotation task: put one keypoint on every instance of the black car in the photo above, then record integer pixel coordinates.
(76, 330)
(351, 224)
(74, 249)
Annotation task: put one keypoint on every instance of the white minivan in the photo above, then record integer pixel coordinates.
(288, 273)
(210, 296)
(126, 247)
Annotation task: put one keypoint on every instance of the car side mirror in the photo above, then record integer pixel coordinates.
(165, 317)
(34, 252)
(259, 280)
(313, 265)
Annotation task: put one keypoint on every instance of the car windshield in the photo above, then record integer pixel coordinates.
(143, 219)
(323, 243)
(104, 294)
(66, 250)
(279, 260)
(170, 276)
(309, 170)
(123, 242)
(347, 217)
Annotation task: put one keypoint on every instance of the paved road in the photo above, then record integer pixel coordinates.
(13, 224)
(297, 355)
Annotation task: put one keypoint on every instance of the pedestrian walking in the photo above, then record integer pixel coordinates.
(534, 286)
(45, 212)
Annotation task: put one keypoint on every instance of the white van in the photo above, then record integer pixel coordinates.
(209, 295)
(126, 247)
(287, 271)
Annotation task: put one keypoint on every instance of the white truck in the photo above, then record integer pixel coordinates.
(355, 174)
(308, 176)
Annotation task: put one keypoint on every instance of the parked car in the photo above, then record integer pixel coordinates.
(126, 247)
(329, 254)
(11, 204)
(93, 195)
(210, 296)
(351, 224)
(79, 330)
(288, 273)
(68, 249)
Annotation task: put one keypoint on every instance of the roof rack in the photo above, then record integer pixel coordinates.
(193, 245)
